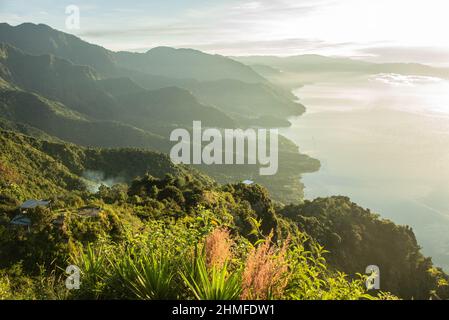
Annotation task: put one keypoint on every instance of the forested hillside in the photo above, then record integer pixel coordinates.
(90, 96)
(173, 212)
(87, 129)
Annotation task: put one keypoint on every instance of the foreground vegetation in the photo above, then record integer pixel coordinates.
(174, 233)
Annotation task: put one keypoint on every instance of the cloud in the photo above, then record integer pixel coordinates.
(225, 24)
(404, 80)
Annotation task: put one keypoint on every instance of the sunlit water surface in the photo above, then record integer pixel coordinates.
(382, 140)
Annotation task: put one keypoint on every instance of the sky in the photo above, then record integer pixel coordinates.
(376, 30)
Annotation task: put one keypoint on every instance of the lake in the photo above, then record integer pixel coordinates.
(383, 140)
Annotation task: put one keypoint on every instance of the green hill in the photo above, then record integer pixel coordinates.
(59, 80)
(172, 107)
(247, 99)
(187, 64)
(170, 210)
(77, 88)
(40, 96)
(357, 238)
(57, 120)
(160, 68)
(42, 169)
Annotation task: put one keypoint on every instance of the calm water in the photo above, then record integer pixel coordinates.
(384, 141)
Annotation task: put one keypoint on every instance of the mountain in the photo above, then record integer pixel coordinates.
(306, 63)
(119, 86)
(57, 79)
(247, 99)
(322, 64)
(124, 107)
(56, 90)
(157, 111)
(40, 39)
(238, 99)
(159, 68)
(187, 64)
(55, 119)
(265, 71)
(162, 61)
(172, 107)
(77, 87)
(33, 172)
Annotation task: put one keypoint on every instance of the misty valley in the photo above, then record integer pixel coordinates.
(177, 174)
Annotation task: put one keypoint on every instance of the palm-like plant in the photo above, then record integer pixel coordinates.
(217, 283)
(147, 276)
(93, 267)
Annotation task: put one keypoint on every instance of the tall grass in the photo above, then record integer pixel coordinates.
(266, 272)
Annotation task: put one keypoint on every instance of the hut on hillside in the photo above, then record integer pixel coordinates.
(32, 204)
(90, 211)
(21, 221)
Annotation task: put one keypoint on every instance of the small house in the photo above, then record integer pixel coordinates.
(21, 221)
(89, 211)
(247, 182)
(32, 204)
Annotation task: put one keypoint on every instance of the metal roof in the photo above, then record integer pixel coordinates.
(21, 220)
(32, 203)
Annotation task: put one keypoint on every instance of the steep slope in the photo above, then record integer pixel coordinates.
(240, 100)
(57, 120)
(177, 63)
(172, 107)
(27, 172)
(118, 99)
(39, 168)
(138, 123)
(159, 68)
(53, 118)
(176, 203)
(247, 99)
(187, 64)
(57, 79)
(357, 238)
(41, 39)
(119, 86)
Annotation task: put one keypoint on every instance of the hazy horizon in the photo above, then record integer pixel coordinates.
(351, 28)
